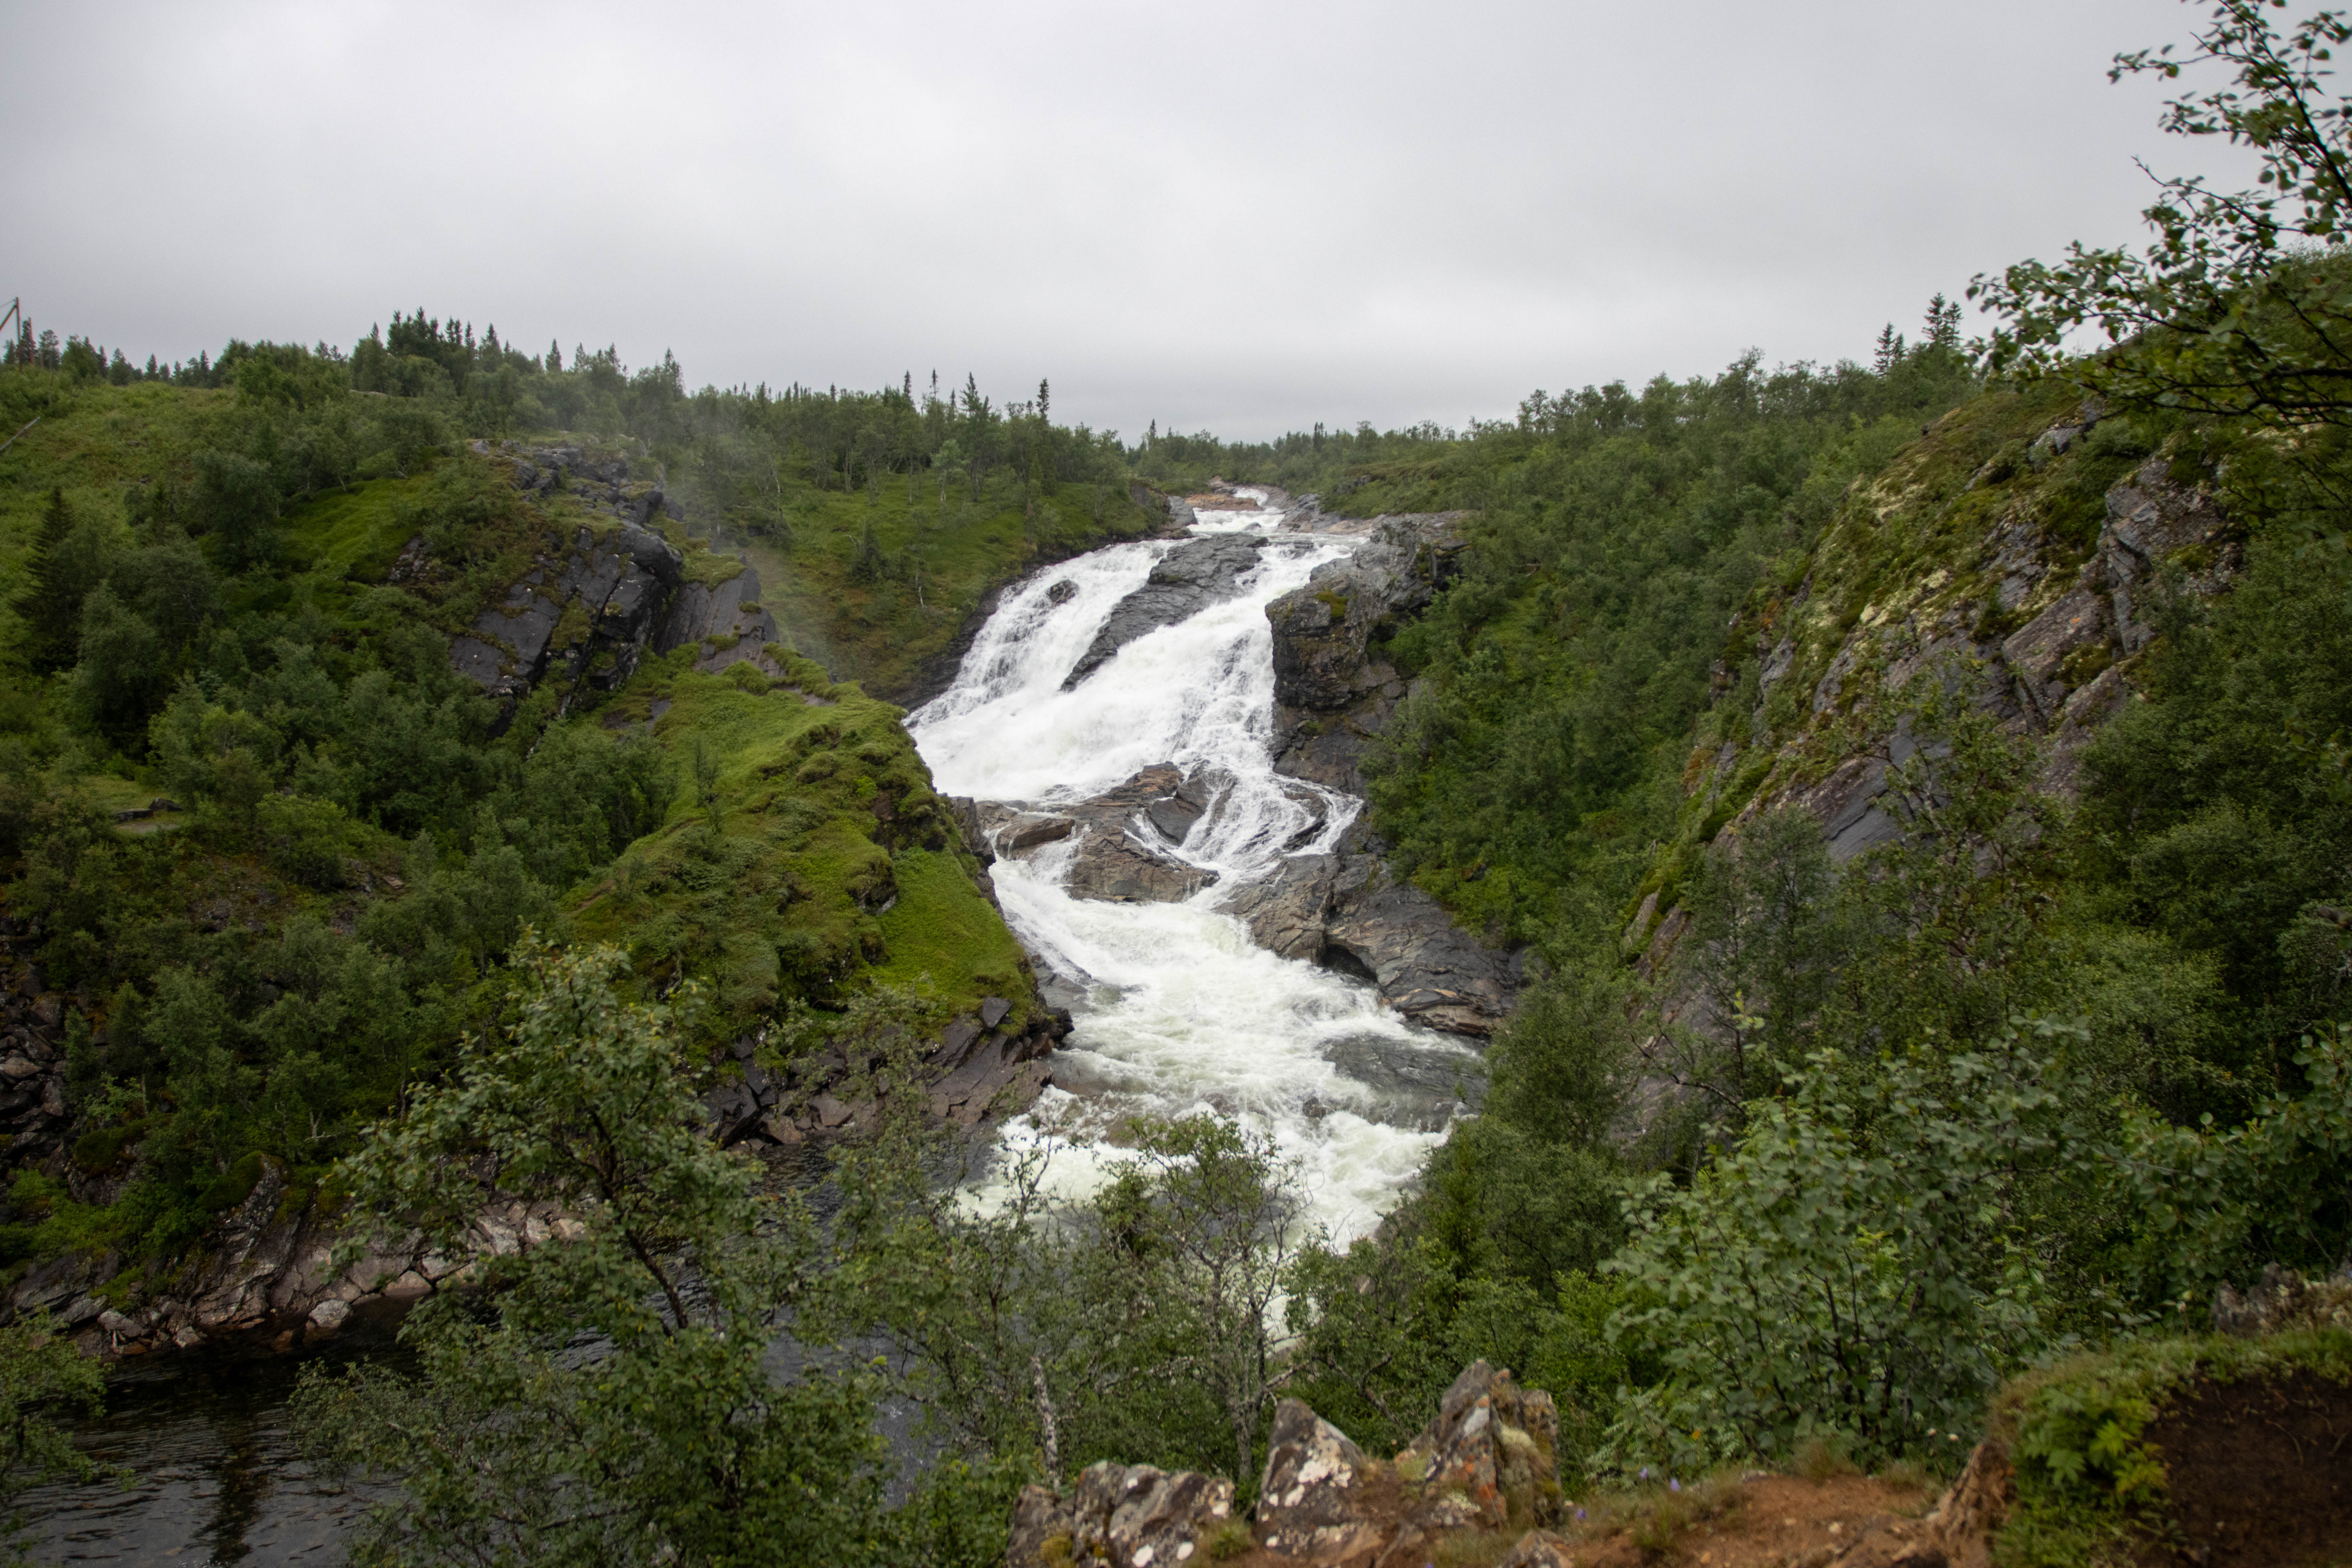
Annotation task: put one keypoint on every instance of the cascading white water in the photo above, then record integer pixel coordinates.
(1179, 1011)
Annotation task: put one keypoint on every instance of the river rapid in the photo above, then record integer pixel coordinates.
(1176, 1010)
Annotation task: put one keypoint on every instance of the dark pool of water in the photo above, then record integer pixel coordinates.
(215, 1474)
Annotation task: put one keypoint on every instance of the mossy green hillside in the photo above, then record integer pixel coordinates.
(879, 583)
(804, 854)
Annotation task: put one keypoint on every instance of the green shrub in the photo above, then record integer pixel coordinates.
(305, 838)
(2089, 1485)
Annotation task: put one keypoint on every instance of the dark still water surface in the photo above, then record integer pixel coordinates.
(216, 1474)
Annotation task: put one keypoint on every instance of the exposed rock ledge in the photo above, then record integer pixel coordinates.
(1334, 694)
(1333, 691)
(1346, 911)
(1188, 579)
(1342, 910)
(589, 616)
(1117, 843)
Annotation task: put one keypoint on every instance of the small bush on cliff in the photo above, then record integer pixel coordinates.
(2094, 1484)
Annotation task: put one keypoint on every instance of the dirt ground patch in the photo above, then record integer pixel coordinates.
(2259, 1472)
(1771, 1522)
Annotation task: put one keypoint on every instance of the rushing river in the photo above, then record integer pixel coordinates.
(1177, 1010)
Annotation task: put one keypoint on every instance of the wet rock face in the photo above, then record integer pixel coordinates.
(1122, 837)
(983, 1065)
(590, 615)
(1312, 1500)
(1333, 690)
(1189, 578)
(621, 581)
(1345, 911)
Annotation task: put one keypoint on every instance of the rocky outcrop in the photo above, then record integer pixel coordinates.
(1539, 1549)
(2050, 650)
(1120, 1516)
(1116, 843)
(589, 615)
(1347, 911)
(1489, 1455)
(1313, 1500)
(33, 1109)
(1490, 1441)
(267, 1274)
(1333, 690)
(1188, 579)
(981, 1065)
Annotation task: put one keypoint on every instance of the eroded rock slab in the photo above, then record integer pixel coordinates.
(1120, 1516)
(1311, 1503)
(1188, 579)
(1345, 911)
(1122, 837)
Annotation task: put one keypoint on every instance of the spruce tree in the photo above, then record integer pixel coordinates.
(1943, 324)
(1890, 350)
(51, 605)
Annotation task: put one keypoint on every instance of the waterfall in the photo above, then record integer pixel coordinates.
(1177, 1010)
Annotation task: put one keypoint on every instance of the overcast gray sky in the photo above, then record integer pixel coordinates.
(1242, 217)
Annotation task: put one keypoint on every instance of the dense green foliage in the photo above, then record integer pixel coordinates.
(1778, 1147)
(673, 1443)
(1857, 1201)
(346, 836)
(40, 1371)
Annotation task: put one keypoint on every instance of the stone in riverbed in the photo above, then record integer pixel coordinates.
(1189, 578)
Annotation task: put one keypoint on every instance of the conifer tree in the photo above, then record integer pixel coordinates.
(1943, 324)
(51, 605)
(1890, 350)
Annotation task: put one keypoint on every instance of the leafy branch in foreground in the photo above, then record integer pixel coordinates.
(2243, 304)
(1134, 1324)
(604, 1396)
(39, 1370)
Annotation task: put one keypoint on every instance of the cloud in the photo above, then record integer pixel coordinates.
(1242, 217)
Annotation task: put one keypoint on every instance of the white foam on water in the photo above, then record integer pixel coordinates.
(1181, 1011)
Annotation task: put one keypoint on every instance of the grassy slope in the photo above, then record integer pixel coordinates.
(883, 630)
(824, 862)
(793, 898)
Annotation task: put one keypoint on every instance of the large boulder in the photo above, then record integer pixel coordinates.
(1120, 1516)
(1123, 836)
(1490, 1444)
(1312, 1501)
(1345, 911)
(1188, 579)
